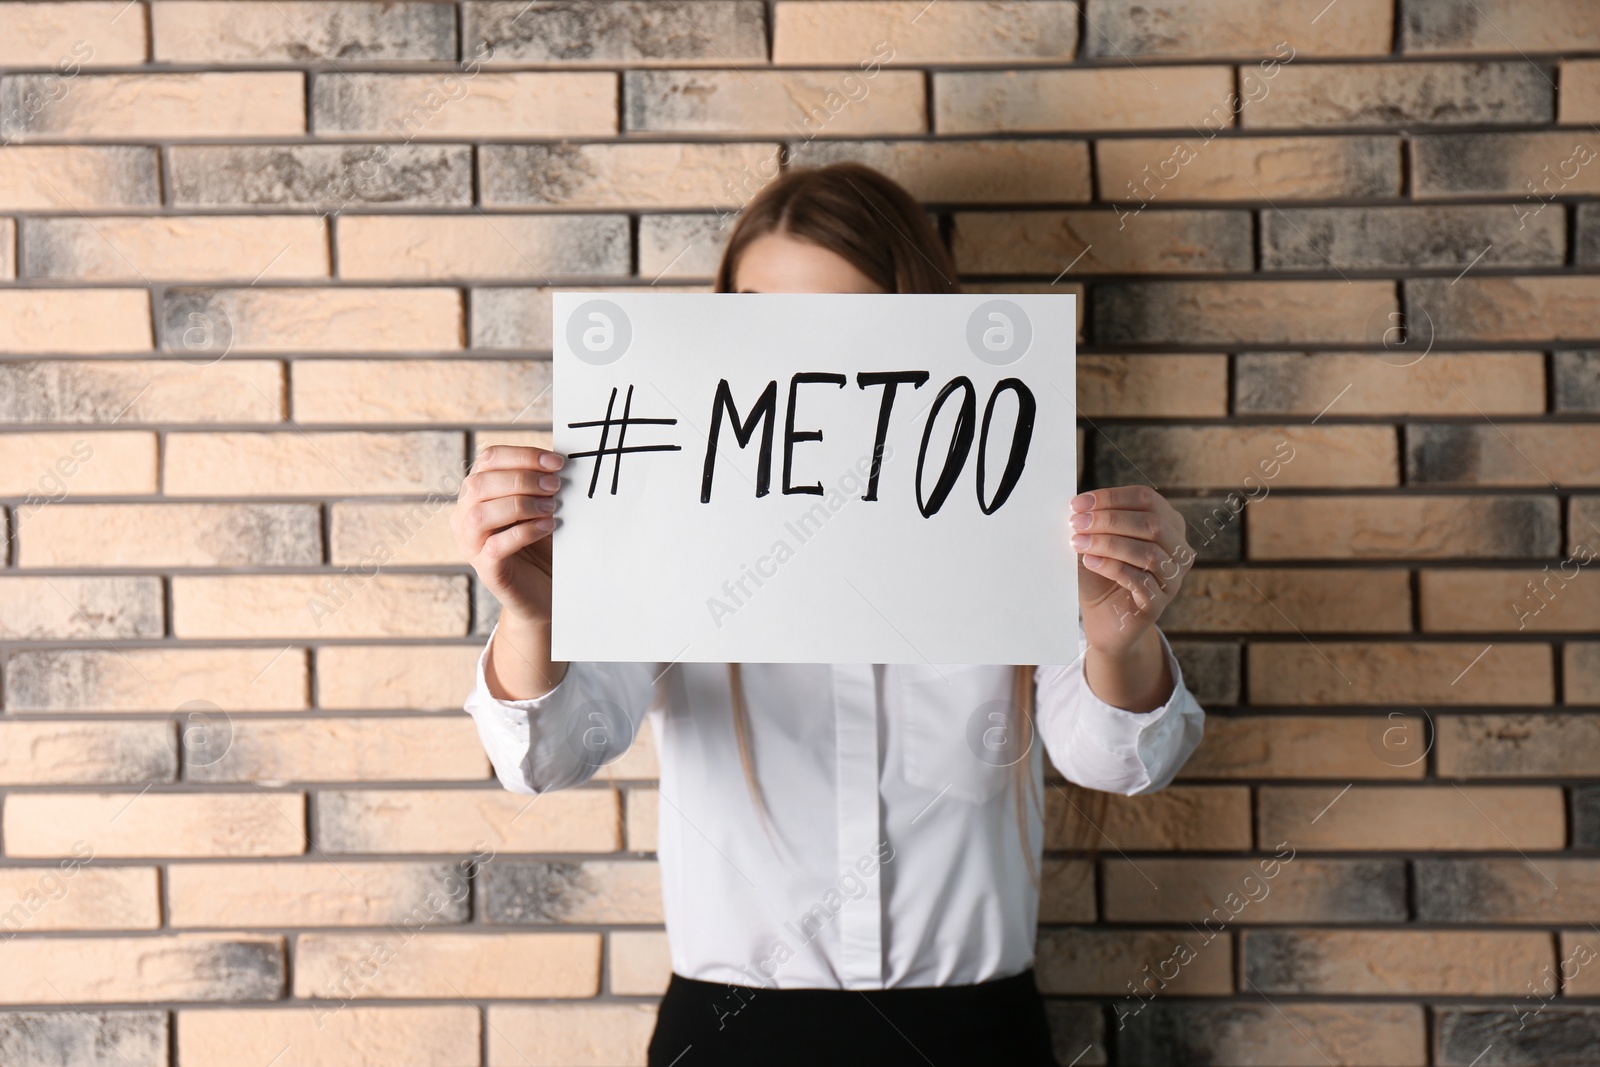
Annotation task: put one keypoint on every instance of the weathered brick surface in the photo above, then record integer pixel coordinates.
(273, 271)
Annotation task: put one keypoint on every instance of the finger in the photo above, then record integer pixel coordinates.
(521, 481)
(1140, 584)
(1142, 525)
(515, 538)
(511, 457)
(1129, 497)
(1144, 555)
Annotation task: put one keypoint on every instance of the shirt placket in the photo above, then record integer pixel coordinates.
(855, 717)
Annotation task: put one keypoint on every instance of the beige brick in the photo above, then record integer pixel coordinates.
(405, 964)
(106, 391)
(82, 178)
(415, 1036)
(391, 247)
(346, 603)
(1281, 887)
(1106, 98)
(1244, 312)
(303, 464)
(1394, 94)
(157, 679)
(70, 607)
(422, 391)
(1580, 90)
(456, 820)
(414, 748)
(1066, 891)
(218, 322)
(206, 248)
(75, 322)
(295, 31)
(1192, 29)
(169, 535)
(643, 816)
(1160, 386)
(1389, 383)
(611, 32)
(625, 175)
(761, 103)
(956, 172)
(1557, 744)
(1505, 453)
(1560, 597)
(77, 895)
(1394, 962)
(482, 439)
(907, 31)
(1404, 527)
(66, 37)
(1291, 601)
(1099, 962)
(413, 533)
(1575, 949)
(1507, 309)
(1270, 457)
(451, 104)
(156, 824)
(642, 760)
(144, 970)
(641, 962)
(1500, 26)
(1535, 167)
(8, 249)
(1341, 672)
(1177, 817)
(588, 1035)
(48, 466)
(1369, 817)
(1246, 168)
(1311, 746)
(87, 753)
(357, 677)
(316, 894)
(1098, 242)
(200, 104)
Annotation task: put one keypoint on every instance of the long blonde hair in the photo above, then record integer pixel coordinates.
(875, 225)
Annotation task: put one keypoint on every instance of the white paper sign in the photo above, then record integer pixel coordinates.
(722, 502)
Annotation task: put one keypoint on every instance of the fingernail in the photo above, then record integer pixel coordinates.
(544, 525)
(552, 461)
(1080, 541)
(549, 482)
(545, 504)
(1083, 501)
(1081, 521)
(1091, 561)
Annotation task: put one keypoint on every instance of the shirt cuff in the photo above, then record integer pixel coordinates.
(516, 712)
(1137, 719)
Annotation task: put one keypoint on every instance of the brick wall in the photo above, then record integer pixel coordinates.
(274, 271)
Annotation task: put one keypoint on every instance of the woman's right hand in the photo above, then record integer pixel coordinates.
(502, 521)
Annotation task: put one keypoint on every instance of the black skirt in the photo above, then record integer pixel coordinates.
(708, 1024)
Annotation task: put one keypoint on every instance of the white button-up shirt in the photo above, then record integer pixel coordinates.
(894, 857)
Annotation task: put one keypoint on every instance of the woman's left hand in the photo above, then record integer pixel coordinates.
(1132, 556)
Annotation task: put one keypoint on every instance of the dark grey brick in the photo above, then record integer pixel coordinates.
(351, 31)
(1444, 25)
(1210, 670)
(1586, 816)
(1214, 532)
(1588, 233)
(515, 892)
(1409, 237)
(84, 1038)
(535, 174)
(1187, 1035)
(511, 317)
(329, 177)
(1507, 890)
(617, 31)
(1390, 94)
(485, 608)
(1534, 1036)
(1077, 1032)
(1437, 455)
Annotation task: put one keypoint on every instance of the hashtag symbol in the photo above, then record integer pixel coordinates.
(617, 450)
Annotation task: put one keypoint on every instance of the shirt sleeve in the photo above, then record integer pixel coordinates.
(561, 739)
(1101, 746)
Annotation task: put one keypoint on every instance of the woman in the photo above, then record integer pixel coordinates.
(845, 878)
